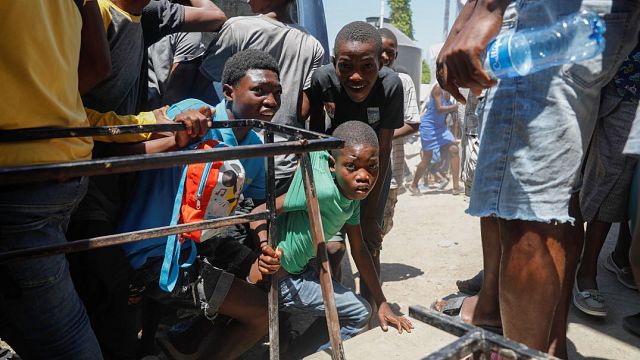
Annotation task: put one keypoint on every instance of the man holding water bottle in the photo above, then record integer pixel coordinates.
(535, 132)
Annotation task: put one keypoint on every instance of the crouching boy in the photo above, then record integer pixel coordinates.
(252, 90)
(342, 179)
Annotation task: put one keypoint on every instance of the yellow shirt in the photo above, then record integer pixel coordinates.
(40, 47)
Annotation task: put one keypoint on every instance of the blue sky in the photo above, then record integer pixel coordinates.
(427, 17)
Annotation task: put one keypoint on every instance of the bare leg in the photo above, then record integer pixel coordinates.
(247, 305)
(336, 251)
(366, 294)
(422, 167)
(484, 308)
(558, 336)
(621, 253)
(537, 268)
(455, 166)
(596, 234)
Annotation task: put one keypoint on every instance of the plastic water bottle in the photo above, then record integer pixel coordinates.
(571, 39)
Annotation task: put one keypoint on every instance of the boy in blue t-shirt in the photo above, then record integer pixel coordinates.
(341, 182)
(252, 90)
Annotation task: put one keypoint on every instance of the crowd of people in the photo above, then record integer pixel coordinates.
(204, 294)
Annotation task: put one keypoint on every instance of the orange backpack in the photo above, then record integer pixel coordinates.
(207, 191)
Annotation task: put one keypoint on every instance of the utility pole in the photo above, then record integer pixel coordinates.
(445, 30)
(381, 23)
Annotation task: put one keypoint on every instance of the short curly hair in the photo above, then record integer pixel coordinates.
(359, 31)
(237, 66)
(355, 133)
(385, 33)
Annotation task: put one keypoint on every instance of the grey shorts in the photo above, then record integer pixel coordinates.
(608, 173)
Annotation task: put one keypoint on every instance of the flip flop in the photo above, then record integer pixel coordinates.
(452, 307)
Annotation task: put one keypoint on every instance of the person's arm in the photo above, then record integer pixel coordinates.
(96, 118)
(315, 104)
(459, 63)
(313, 109)
(181, 81)
(197, 124)
(161, 18)
(303, 111)
(436, 93)
(202, 15)
(406, 129)
(95, 58)
(364, 263)
(269, 260)
(259, 227)
(373, 231)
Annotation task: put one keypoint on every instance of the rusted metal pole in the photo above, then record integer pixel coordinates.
(122, 164)
(129, 237)
(313, 208)
(274, 325)
(115, 130)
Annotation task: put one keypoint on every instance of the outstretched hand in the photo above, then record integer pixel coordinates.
(459, 63)
(196, 122)
(387, 317)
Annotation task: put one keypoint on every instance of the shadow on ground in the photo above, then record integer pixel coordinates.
(396, 272)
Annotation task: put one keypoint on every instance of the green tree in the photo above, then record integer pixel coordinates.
(401, 16)
(426, 73)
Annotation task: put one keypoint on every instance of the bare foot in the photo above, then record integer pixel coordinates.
(471, 313)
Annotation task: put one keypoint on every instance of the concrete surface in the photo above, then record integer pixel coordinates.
(432, 244)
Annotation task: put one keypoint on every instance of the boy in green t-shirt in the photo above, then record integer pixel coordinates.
(342, 180)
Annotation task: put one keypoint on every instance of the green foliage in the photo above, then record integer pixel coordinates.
(401, 16)
(426, 73)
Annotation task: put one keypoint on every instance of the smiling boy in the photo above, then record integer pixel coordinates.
(357, 87)
(342, 180)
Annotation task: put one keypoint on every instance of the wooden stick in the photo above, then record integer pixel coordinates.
(313, 208)
(274, 289)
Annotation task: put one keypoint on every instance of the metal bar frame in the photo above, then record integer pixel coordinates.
(305, 141)
(472, 339)
(326, 284)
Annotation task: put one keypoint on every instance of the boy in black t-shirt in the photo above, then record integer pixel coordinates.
(357, 87)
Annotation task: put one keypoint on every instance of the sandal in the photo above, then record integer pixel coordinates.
(452, 304)
(414, 191)
(624, 274)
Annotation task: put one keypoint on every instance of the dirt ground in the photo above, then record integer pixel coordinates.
(433, 243)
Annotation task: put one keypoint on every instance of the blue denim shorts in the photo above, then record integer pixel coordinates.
(536, 128)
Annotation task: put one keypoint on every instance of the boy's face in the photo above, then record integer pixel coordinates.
(357, 65)
(389, 52)
(256, 96)
(356, 171)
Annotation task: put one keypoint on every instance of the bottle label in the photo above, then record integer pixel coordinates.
(500, 59)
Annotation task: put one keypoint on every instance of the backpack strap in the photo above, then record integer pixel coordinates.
(170, 264)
